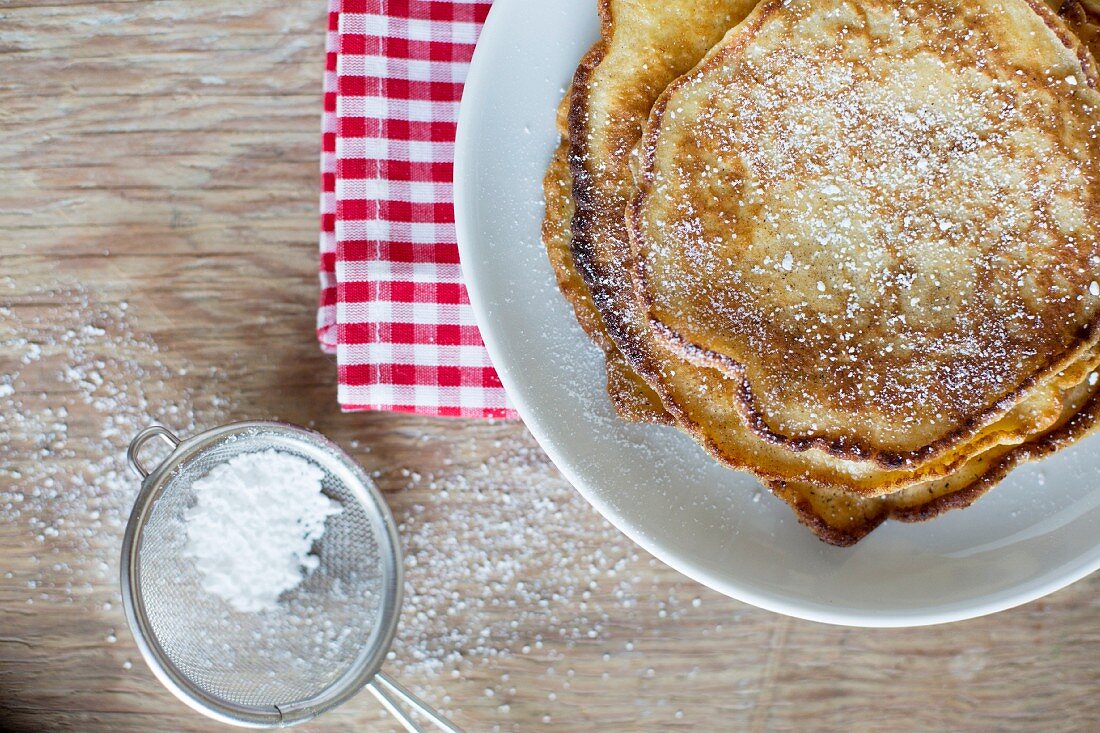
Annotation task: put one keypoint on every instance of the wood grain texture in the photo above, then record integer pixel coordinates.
(158, 187)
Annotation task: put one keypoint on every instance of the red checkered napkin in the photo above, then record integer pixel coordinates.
(393, 307)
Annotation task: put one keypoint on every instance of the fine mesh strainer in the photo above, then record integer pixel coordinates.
(331, 633)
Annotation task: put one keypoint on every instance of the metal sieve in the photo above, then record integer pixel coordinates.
(331, 633)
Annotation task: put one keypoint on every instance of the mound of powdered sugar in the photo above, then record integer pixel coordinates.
(253, 525)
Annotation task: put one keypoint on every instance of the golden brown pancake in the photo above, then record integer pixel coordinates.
(704, 401)
(880, 218)
(834, 514)
(668, 40)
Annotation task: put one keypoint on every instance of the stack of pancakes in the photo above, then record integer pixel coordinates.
(851, 246)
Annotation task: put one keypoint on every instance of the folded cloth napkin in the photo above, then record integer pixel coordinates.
(394, 308)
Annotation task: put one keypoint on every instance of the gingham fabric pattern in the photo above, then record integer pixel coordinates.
(326, 310)
(394, 308)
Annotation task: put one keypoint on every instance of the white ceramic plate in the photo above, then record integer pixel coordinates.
(1035, 533)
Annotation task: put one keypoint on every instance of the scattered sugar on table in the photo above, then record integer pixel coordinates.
(457, 517)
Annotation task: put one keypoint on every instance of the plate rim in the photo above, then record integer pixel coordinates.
(466, 235)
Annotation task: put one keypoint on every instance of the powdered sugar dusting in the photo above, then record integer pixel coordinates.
(65, 484)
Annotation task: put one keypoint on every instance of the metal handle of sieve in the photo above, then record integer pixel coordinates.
(386, 689)
(153, 431)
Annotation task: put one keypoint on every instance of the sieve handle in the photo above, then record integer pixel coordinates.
(386, 689)
(395, 709)
(153, 431)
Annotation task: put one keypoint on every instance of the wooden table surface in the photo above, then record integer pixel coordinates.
(158, 189)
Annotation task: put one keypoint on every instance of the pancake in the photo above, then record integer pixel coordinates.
(880, 219)
(835, 515)
(607, 111)
(832, 512)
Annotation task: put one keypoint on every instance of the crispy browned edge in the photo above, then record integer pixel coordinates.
(576, 293)
(633, 399)
(1079, 426)
(837, 446)
(584, 210)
